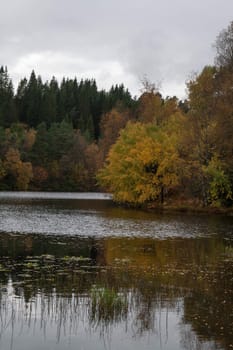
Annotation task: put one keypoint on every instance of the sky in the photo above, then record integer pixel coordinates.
(114, 42)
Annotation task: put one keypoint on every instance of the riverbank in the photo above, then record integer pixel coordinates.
(186, 206)
(189, 207)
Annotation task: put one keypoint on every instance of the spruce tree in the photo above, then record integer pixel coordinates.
(7, 105)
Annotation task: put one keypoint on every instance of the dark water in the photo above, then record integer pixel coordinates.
(76, 272)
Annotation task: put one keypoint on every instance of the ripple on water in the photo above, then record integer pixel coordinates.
(95, 216)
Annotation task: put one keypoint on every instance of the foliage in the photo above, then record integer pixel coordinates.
(141, 164)
(152, 107)
(57, 136)
(78, 102)
(2, 170)
(7, 105)
(20, 171)
(55, 158)
(110, 126)
(208, 132)
(224, 47)
(219, 182)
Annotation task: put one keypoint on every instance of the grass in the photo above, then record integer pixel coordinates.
(107, 306)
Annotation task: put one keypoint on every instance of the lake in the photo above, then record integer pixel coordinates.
(78, 272)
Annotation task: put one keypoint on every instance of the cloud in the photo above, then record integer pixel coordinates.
(112, 41)
(61, 65)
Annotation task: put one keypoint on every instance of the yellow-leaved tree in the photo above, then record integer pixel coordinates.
(142, 165)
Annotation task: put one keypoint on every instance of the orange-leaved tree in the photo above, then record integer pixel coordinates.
(20, 171)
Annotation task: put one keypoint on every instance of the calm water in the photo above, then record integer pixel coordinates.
(76, 272)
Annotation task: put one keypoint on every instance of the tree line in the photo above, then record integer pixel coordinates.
(50, 132)
(73, 137)
(80, 103)
(179, 152)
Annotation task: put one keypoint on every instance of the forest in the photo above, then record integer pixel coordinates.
(71, 136)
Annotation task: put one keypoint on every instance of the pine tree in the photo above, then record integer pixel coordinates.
(7, 105)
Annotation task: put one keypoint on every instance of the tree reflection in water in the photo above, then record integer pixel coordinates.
(139, 285)
(99, 309)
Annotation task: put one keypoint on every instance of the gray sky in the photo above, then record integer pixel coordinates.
(112, 41)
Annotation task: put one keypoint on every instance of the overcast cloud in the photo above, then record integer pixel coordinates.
(112, 41)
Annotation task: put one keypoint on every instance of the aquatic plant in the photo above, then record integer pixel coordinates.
(107, 306)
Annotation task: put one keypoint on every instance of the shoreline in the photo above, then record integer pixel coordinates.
(180, 207)
(190, 209)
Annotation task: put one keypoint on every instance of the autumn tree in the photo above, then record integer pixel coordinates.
(19, 171)
(224, 120)
(201, 127)
(2, 170)
(24, 175)
(110, 127)
(149, 109)
(93, 162)
(224, 48)
(152, 107)
(21, 137)
(220, 186)
(40, 176)
(149, 103)
(209, 107)
(142, 165)
(202, 112)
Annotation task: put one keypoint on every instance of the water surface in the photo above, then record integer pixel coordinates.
(77, 272)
